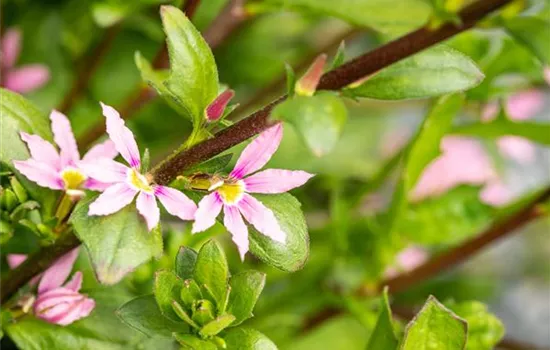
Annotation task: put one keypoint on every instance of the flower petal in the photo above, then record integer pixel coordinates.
(496, 194)
(261, 217)
(147, 206)
(41, 173)
(121, 136)
(75, 283)
(42, 150)
(276, 181)
(94, 185)
(56, 274)
(112, 199)
(235, 225)
(26, 78)
(525, 104)
(105, 149)
(11, 46)
(208, 209)
(518, 149)
(64, 137)
(104, 170)
(62, 306)
(76, 312)
(176, 203)
(15, 260)
(258, 152)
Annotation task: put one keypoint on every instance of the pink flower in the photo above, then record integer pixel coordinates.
(25, 78)
(63, 170)
(214, 111)
(127, 182)
(233, 195)
(57, 303)
(407, 260)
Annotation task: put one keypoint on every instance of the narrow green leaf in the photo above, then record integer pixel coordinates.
(292, 255)
(117, 243)
(382, 336)
(246, 288)
(242, 338)
(434, 72)
(339, 57)
(185, 262)
(435, 328)
(217, 325)
(191, 342)
(536, 132)
(182, 314)
(211, 270)
(318, 119)
(532, 32)
(167, 289)
(290, 79)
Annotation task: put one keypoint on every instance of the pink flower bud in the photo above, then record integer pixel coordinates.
(214, 111)
(307, 84)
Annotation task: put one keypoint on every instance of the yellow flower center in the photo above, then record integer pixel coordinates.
(72, 178)
(139, 181)
(231, 192)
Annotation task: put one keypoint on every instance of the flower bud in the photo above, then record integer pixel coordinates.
(214, 111)
(307, 84)
(62, 306)
(203, 311)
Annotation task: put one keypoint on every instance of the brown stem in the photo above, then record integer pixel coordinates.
(229, 19)
(88, 68)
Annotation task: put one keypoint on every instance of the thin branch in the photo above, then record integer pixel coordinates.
(88, 68)
(229, 19)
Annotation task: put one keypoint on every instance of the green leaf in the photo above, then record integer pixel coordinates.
(484, 329)
(190, 292)
(185, 262)
(339, 57)
(167, 289)
(211, 270)
(246, 288)
(318, 119)
(117, 243)
(210, 166)
(290, 79)
(189, 341)
(217, 325)
(533, 33)
(536, 132)
(342, 332)
(18, 114)
(291, 255)
(247, 339)
(435, 328)
(143, 314)
(434, 72)
(382, 336)
(193, 76)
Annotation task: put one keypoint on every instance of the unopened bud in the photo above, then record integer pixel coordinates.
(307, 84)
(214, 111)
(203, 311)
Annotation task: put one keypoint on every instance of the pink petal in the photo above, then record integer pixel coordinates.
(147, 206)
(261, 217)
(258, 152)
(276, 181)
(41, 150)
(121, 136)
(64, 137)
(76, 312)
(26, 78)
(214, 111)
(307, 84)
(75, 283)
(175, 202)
(112, 199)
(56, 274)
(104, 170)
(10, 47)
(524, 105)
(517, 148)
(490, 111)
(62, 306)
(105, 149)
(496, 194)
(209, 208)
(41, 173)
(547, 75)
(15, 260)
(235, 225)
(94, 185)
(57, 296)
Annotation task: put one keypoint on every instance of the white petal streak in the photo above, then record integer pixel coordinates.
(276, 180)
(235, 225)
(64, 137)
(122, 136)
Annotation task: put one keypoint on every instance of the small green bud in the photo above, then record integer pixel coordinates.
(203, 311)
(220, 343)
(9, 199)
(18, 189)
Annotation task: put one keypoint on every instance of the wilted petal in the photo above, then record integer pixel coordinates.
(41, 173)
(307, 84)
(11, 46)
(75, 283)
(105, 149)
(26, 78)
(261, 218)
(214, 111)
(56, 274)
(63, 306)
(64, 137)
(147, 206)
(276, 180)
(41, 150)
(104, 170)
(517, 148)
(121, 136)
(112, 199)
(208, 209)
(235, 225)
(258, 152)
(175, 202)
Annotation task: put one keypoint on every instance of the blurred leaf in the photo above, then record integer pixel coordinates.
(117, 243)
(211, 166)
(185, 262)
(484, 329)
(211, 270)
(533, 33)
(217, 325)
(318, 119)
(143, 314)
(167, 289)
(247, 339)
(435, 328)
(382, 336)
(191, 342)
(292, 255)
(246, 288)
(434, 72)
(536, 132)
